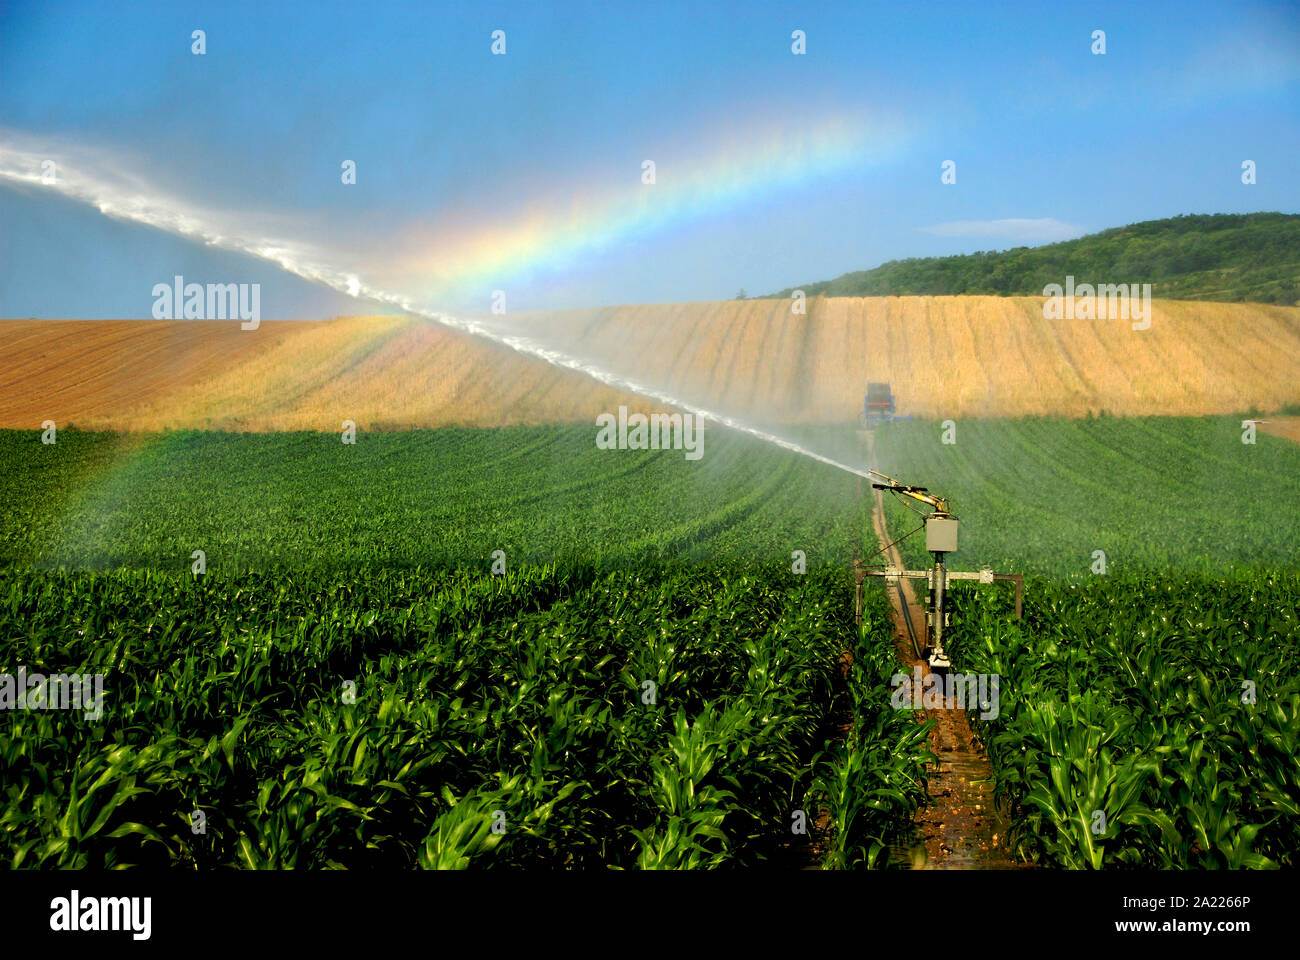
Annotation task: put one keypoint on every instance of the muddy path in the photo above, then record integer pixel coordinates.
(960, 826)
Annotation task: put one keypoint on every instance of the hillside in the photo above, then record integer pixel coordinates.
(1221, 257)
(89, 370)
(945, 356)
(378, 371)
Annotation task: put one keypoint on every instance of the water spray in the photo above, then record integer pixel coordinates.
(125, 197)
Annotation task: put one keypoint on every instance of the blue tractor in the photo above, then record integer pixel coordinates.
(879, 404)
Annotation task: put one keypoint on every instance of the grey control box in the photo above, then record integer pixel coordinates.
(941, 534)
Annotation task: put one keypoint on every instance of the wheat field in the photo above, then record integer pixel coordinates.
(945, 357)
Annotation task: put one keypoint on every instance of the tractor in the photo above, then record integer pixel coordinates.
(879, 404)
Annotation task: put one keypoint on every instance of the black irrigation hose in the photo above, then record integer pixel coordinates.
(898, 584)
(907, 618)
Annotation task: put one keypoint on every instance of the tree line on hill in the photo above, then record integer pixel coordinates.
(1226, 257)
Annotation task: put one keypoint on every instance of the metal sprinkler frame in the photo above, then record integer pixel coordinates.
(940, 539)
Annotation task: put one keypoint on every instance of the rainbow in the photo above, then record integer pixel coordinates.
(470, 254)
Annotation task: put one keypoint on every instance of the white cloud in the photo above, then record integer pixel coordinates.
(1019, 231)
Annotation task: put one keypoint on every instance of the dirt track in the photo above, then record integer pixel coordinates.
(960, 826)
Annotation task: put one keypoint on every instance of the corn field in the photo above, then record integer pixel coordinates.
(664, 672)
(1149, 723)
(549, 717)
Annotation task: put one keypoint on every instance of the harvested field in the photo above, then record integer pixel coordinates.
(381, 372)
(952, 356)
(945, 356)
(93, 371)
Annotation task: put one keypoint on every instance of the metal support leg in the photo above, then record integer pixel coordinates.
(938, 658)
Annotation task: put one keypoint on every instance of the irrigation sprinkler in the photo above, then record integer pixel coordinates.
(940, 539)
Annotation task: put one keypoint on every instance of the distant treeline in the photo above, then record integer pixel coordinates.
(1253, 256)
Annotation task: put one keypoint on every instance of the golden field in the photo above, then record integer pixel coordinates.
(945, 357)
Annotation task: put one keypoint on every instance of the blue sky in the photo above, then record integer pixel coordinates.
(456, 147)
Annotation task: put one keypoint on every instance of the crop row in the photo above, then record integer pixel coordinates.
(445, 499)
(1150, 722)
(559, 717)
(1043, 496)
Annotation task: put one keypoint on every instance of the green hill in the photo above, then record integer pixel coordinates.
(1254, 256)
